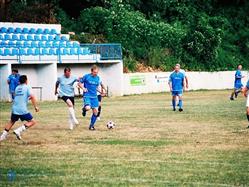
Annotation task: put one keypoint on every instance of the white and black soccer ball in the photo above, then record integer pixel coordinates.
(110, 125)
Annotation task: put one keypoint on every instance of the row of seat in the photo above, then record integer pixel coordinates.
(32, 37)
(44, 51)
(27, 30)
(39, 44)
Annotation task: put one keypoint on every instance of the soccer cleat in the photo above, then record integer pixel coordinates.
(174, 109)
(18, 135)
(231, 98)
(92, 128)
(83, 112)
(248, 126)
(3, 136)
(180, 109)
(76, 121)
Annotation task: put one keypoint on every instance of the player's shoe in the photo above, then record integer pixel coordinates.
(83, 112)
(76, 121)
(247, 127)
(236, 94)
(231, 98)
(98, 118)
(3, 136)
(18, 135)
(174, 109)
(180, 110)
(92, 128)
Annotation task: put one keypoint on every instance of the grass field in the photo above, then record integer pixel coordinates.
(206, 145)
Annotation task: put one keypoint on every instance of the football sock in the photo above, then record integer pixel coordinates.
(21, 128)
(174, 103)
(99, 111)
(93, 120)
(6, 130)
(247, 117)
(71, 112)
(180, 103)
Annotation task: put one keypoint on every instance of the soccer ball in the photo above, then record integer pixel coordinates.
(110, 125)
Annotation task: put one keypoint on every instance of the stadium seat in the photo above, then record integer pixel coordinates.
(62, 44)
(6, 52)
(56, 44)
(46, 31)
(1, 52)
(22, 37)
(22, 51)
(7, 37)
(3, 43)
(30, 51)
(27, 44)
(3, 30)
(79, 51)
(18, 43)
(64, 38)
(11, 30)
(37, 37)
(37, 51)
(69, 44)
(25, 30)
(18, 30)
(34, 44)
(14, 51)
(44, 38)
(76, 44)
(32, 31)
(50, 38)
(57, 38)
(53, 31)
(39, 31)
(65, 51)
(1, 37)
(41, 44)
(52, 51)
(49, 44)
(15, 37)
(30, 37)
(11, 44)
(44, 51)
(73, 51)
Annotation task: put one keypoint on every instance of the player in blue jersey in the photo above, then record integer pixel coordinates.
(89, 83)
(246, 94)
(237, 83)
(13, 82)
(19, 109)
(65, 83)
(177, 85)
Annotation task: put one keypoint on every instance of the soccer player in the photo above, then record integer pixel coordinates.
(237, 83)
(185, 76)
(65, 83)
(177, 85)
(100, 93)
(19, 109)
(246, 94)
(89, 83)
(13, 82)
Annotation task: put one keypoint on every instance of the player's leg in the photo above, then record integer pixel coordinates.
(247, 109)
(70, 104)
(237, 92)
(86, 105)
(232, 94)
(174, 100)
(94, 105)
(180, 101)
(30, 122)
(7, 129)
(99, 108)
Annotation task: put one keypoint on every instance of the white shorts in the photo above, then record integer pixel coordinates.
(247, 101)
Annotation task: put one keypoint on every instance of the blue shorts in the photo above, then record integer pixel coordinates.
(91, 101)
(177, 93)
(238, 86)
(24, 117)
(99, 98)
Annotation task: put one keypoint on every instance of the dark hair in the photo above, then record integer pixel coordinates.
(23, 79)
(15, 70)
(67, 69)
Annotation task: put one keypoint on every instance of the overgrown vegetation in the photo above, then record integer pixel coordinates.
(201, 35)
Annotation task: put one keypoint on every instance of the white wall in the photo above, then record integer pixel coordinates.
(5, 70)
(158, 82)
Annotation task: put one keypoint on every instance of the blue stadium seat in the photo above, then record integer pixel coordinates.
(56, 44)
(76, 44)
(62, 44)
(50, 37)
(3, 30)
(7, 37)
(22, 51)
(18, 30)
(69, 44)
(57, 38)
(25, 30)
(39, 31)
(3, 43)
(1, 52)
(46, 31)
(65, 51)
(41, 44)
(49, 44)
(22, 37)
(18, 44)
(1, 37)
(53, 31)
(11, 44)
(64, 38)
(37, 51)
(32, 31)
(80, 51)
(27, 44)
(37, 37)
(44, 38)
(15, 51)
(6, 52)
(73, 51)
(15, 37)
(52, 51)
(34, 44)
(11, 30)
(30, 51)
(44, 51)
(30, 37)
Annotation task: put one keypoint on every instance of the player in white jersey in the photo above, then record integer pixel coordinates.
(19, 109)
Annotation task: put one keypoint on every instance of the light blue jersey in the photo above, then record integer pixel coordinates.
(177, 81)
(237, 83)
(91, 83)
(13, 80)
(66, 85)
(22, 94)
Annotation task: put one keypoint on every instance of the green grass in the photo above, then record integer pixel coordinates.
(206, 145)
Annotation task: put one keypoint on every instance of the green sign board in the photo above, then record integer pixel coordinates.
(137, 80)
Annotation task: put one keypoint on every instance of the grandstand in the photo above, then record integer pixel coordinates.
(40, 50)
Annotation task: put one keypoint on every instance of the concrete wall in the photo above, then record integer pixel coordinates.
(5, 70)
(137, 83)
